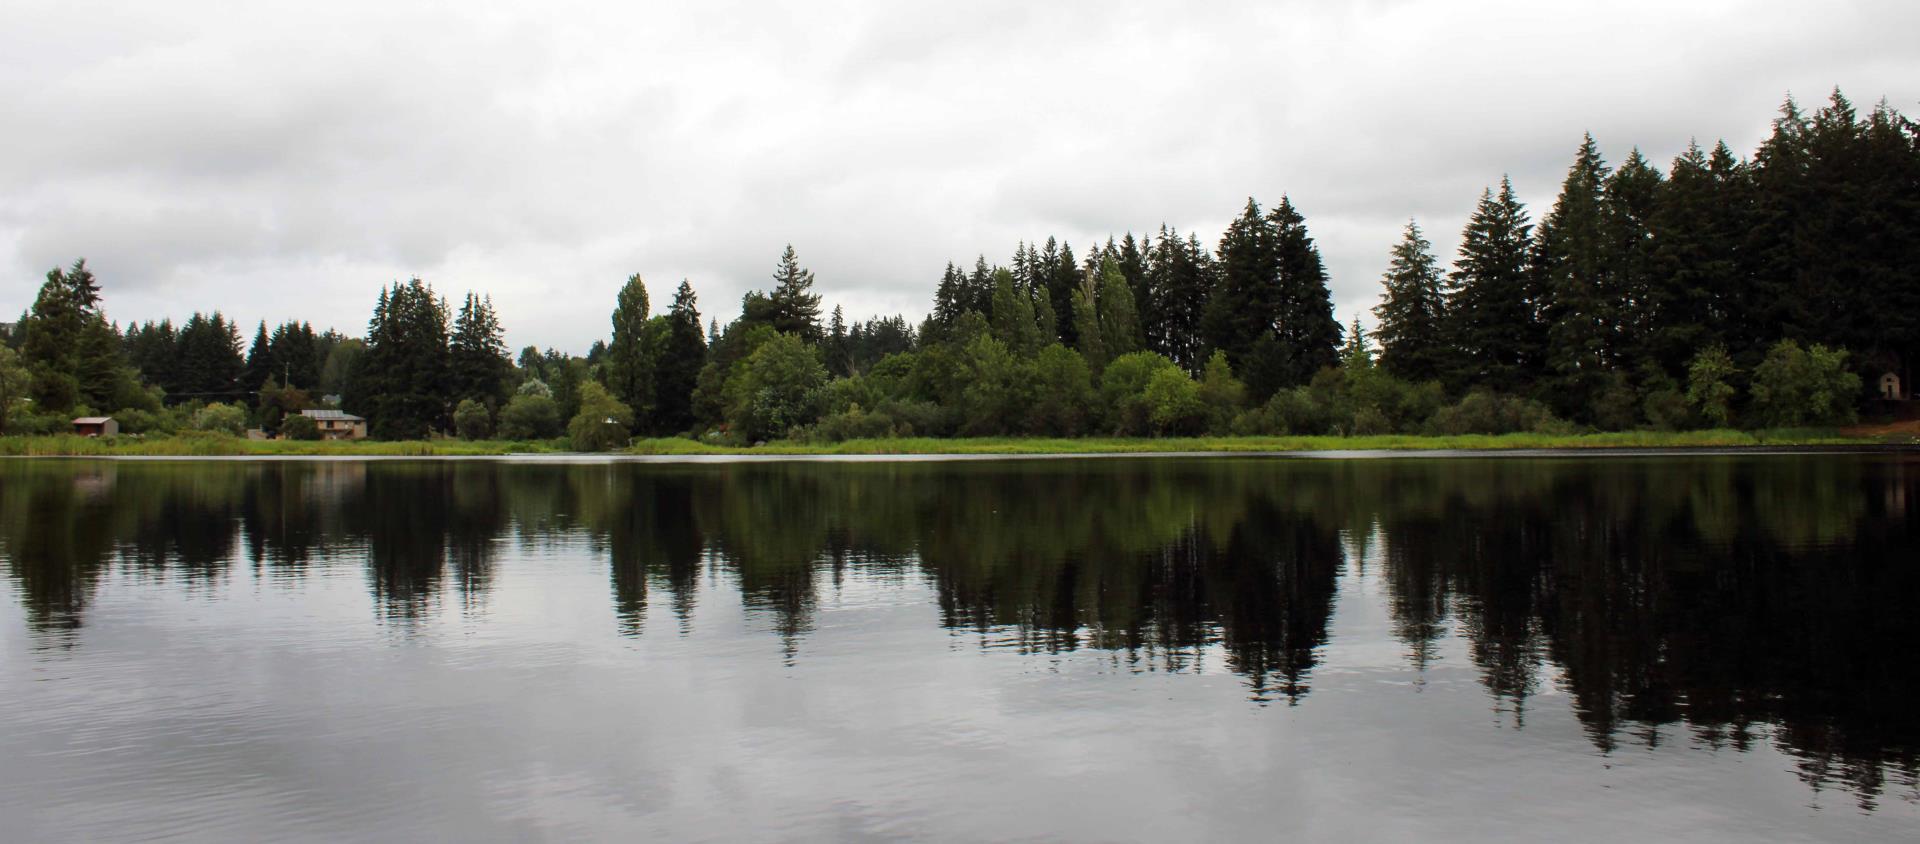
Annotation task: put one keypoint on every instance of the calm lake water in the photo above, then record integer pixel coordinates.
(1570, 648)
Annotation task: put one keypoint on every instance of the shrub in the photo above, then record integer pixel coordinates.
(1063, 393)
(530, 416)
(472, 420)
(1795, 387)
(1173, 404)
(220, 418)
(1487, 412)
(1709, 388)
(602, 423)
(1222, 393)
(1292, 412)
(299, 427)
(777, 389)
(1666, 409)
(852, 424)
(1123, 388)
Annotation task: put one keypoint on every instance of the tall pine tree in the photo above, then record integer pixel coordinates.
(1412, 311)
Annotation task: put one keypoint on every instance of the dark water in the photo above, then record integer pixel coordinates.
(1673, 648)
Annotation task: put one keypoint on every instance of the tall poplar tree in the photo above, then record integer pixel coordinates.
(629, 368)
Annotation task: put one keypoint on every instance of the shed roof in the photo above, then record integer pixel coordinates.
(93, 420)
(332, 415)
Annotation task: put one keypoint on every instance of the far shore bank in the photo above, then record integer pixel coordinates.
(1634, 441)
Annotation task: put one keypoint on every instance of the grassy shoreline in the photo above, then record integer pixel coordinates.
(216, 446)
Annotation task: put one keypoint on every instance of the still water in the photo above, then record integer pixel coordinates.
(1565, 648)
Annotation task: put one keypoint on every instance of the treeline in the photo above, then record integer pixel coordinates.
(1721, 292)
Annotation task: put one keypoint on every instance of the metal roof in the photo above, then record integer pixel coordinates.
(331, 415)
(93, 420)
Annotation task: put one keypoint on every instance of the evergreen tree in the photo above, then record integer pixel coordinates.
(1695, 262)
(259, 365)
(1571, 257)
(838, 361)
(1628, 204)
(1243, 305)
(795, 307)
(71, 353)
(678, 369)
(1061, 276)
(477, 354)
(211, 366)
(1303, 305)
(1491, 305)
(628, 372)
(402, 380)
(1412, 311)
(1179, 280)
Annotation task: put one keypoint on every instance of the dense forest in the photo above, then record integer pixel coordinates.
(1772, 290)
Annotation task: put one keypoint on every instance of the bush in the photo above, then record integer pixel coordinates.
(1709, 385)
(1123, 391)
(530, 416)
(138, 421)
(776, 389)
(852, 424)
(220, 418)
(1487, 412)
(472, 421)
(1795, 387)
(1173, 404)
(299, 427)
(1063, 393)
(602, 423)
(1666, 409)
(1222, 393)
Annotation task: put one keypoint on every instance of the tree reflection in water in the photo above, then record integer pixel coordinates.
(1720, 600)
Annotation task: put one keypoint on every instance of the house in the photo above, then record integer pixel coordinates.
(96, 426)
(337, 425)
(1888, 387)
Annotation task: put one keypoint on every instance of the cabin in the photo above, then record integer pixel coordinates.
(337, 425)
(1888, 387)
(96, 426)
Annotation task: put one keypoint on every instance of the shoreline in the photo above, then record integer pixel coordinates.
(1622, 445)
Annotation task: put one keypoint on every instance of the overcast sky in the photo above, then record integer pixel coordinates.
(286, 160)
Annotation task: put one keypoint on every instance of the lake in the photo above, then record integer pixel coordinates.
(1672, 647)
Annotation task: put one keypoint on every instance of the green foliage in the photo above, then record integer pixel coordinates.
(401, 382)
(775, 389)
(1487, 412)
(300, 427)
(14, 383)
(1412, 311)
(997, 392)
(71, 352)
(1013, 318)
(630, 362)
(531, 415)
(1174, 406)
(1221, 393)
(477, 353)
(1123, 391)
(472, 421)
(602, 423)
(1799, 387)
(1119, 316)
(221, 418)
(793, 306)
(1063, 398)
(1710, 389)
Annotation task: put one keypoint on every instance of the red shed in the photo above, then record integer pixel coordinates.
(96, 426)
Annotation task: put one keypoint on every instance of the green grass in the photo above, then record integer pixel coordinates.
(1096, 445)
(202, 445)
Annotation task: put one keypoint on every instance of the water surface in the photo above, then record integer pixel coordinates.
(1224, 648)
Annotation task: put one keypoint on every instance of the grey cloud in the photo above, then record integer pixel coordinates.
(279, 161)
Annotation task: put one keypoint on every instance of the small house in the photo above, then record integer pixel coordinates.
(96, 426)
(337, 425)
(1888, 387)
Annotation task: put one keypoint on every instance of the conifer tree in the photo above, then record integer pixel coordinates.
(260, 365)
(837, 359)
(477, 354)
(71, 353)
(1628, 203)
(1303, 305)
(679, 366)
(795, 307)
(1243, 306)
(1412, 311)
(629, 367)
(1571, 257)
(402, 380)
(1491, 305)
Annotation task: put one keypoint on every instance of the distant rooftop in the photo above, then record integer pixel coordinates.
(331, 415)
(93, 420)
